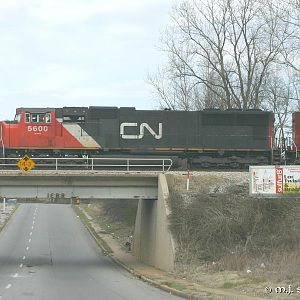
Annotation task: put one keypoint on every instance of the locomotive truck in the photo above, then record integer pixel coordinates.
(208, 138)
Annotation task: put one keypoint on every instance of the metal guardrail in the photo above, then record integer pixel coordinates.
(93, 164)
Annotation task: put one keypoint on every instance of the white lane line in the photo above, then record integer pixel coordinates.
(30, 233)
(29, 241)
(33, 222)
(24, 257)
(32, 227)
(21, 265)
(8, 286)
(27, 248)
(15, 275)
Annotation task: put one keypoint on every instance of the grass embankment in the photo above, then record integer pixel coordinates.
(219, 227)
(91, 229)
(115, 217)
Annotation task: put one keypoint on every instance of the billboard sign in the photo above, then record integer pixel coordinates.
(274, 180)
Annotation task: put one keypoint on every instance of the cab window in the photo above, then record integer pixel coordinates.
(48, 118)
(40, 118)
(27, 118)
(34, 118)
(17, 118)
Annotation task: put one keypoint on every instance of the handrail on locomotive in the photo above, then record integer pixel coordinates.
(285, 144)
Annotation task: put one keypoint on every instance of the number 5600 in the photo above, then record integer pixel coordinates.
(39, 128)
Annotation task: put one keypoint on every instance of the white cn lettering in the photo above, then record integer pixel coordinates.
(142, 131)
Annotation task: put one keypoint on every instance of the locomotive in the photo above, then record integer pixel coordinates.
(208, 138)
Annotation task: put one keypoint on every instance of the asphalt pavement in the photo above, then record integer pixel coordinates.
(46, 253)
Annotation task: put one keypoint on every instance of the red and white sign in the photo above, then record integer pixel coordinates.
(274, 180)
(279, 180)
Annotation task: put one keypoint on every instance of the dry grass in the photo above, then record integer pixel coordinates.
(218, 225)
(116, 217)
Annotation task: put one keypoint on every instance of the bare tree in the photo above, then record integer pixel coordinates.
(279, 93)
(175, 91)
(291, 16)
(222, 52)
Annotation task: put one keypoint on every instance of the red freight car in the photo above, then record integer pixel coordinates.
(296, 129)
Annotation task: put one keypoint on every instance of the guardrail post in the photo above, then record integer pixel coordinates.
(92, 164)
(56, 164)
(163, 165)
(127, 164)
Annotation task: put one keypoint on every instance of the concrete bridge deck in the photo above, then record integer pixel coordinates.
(84, 184)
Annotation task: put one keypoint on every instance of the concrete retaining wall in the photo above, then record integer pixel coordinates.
(153, 241)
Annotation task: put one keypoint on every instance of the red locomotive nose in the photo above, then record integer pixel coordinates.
(5, 129)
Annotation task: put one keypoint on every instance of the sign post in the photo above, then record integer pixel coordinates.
(188, 181)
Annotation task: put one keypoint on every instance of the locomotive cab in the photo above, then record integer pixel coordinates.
(42, 131)
(30, 129)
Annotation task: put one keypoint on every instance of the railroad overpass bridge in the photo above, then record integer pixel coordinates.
(153, 242)
(82, 184)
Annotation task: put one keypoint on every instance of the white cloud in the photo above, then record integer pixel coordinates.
(77, 11)
(127, 93)
(78, 52)
(7, 6)
(54, 77)
(121, 29)
(125, 89)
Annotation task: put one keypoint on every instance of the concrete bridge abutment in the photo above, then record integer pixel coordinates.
(153, 241)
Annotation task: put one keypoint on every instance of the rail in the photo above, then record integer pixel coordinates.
(92, 164)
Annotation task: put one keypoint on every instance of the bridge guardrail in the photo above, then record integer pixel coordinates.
(92, 164)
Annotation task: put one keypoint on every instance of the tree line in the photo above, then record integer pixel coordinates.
(231, 54)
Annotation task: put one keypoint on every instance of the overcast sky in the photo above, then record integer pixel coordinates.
(58, 53)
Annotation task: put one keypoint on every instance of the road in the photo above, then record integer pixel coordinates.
(46, 253)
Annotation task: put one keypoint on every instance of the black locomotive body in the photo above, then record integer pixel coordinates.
(208, 137)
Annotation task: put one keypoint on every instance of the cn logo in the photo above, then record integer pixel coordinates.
(142, 131)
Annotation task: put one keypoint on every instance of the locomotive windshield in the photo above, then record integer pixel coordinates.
(17, 118)
(37, 118)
